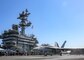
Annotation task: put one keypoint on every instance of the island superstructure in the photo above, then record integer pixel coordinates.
(16, 39)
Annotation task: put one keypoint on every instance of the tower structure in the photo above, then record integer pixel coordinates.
(14, 40)
(24, 21)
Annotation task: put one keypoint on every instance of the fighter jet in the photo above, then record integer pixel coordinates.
(51, 49)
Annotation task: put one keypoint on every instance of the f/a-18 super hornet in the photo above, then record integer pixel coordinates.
(46, 48)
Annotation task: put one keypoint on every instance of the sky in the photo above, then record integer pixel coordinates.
(53, 20)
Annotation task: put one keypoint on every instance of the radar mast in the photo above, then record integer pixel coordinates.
(24, 21)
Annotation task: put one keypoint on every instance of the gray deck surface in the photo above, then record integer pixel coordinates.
(54, 57)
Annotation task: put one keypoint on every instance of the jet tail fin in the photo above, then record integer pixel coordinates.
(63, 44)
(56, 44)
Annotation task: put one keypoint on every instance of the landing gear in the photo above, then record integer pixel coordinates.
(45, 54)
(60, 54)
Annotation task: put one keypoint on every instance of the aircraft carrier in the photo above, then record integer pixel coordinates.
(16, 40)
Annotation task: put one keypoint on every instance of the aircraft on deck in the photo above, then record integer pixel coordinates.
(54, 49)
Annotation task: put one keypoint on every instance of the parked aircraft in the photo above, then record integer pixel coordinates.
(52, 49)
(6, 52)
